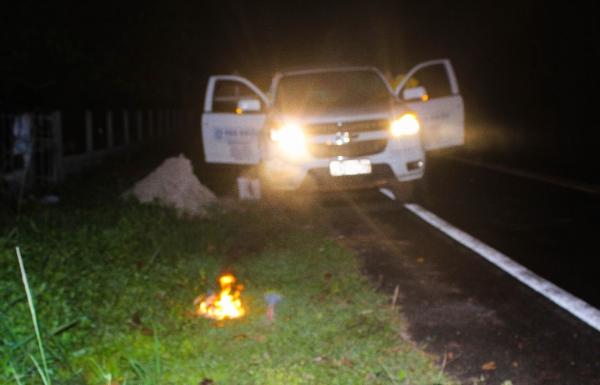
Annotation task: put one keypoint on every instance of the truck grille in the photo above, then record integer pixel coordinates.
(352, 149)
(362, 126)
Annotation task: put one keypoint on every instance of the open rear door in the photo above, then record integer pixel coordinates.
(234, 114)
(431, 90)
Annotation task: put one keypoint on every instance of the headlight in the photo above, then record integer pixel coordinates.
(290, 138)
(407, 124)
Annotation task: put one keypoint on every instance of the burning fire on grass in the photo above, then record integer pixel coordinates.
(226, 304)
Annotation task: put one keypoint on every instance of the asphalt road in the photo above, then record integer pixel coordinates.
(482, 323)
(549, 229)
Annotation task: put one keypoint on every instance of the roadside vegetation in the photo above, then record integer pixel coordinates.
(113, 283)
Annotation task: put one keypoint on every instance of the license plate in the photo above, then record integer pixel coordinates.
(350, 167)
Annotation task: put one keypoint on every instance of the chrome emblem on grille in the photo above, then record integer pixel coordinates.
(344, 137)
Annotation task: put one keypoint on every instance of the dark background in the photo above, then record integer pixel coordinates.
(527, 69)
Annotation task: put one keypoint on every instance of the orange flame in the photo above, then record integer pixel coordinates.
(224, 305)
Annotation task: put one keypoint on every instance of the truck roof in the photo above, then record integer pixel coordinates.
(313, 70)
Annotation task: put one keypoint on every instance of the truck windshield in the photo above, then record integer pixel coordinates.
(325, 90)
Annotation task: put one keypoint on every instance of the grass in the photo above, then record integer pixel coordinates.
(42, 371)
(113, 284)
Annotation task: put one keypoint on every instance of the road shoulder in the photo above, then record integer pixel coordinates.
(483, 326)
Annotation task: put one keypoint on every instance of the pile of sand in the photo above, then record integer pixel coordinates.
(173, 184)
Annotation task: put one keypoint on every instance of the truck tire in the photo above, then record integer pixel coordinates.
(403, 191)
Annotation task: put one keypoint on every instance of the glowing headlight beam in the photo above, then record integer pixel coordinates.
(290, 138)
(407, 124)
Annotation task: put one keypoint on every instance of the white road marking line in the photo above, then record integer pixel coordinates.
(580, 309)
(388, 193)
(566, 183)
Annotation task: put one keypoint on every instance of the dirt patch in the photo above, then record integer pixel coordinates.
(174, 184)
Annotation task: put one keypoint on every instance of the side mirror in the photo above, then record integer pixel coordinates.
(416, 93)
(247, 105)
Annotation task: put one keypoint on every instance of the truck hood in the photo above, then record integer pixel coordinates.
(373, 111)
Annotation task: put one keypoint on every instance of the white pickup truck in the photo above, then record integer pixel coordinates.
(334, 128)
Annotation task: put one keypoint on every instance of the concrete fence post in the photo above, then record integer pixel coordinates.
(140, 122)
(150, 124)
(169, 121)
(109, 130)
(58, 156)
(89, 132)
(166, 122)
(156, 123)
(160, 121)
(126, 138)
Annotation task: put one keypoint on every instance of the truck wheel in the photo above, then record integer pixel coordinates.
(422, 189)
(403, 191)
(267, 195)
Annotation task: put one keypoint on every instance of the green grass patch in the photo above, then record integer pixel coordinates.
(113, 284)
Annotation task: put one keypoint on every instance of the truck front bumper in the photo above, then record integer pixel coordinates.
(401, 164)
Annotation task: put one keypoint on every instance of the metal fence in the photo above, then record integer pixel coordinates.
(45, 148)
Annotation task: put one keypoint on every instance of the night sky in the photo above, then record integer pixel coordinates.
(527, 64)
